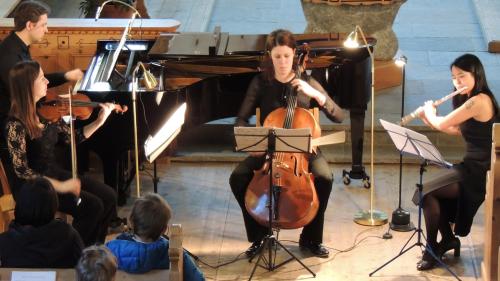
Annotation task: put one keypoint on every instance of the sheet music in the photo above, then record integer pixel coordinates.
(155, 145)
(414, 143)
(33, 276)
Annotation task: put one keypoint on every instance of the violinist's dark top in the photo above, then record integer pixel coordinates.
(270, 95)
(36, 157)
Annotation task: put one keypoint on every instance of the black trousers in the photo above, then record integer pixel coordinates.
(323, 179)
(92, 216)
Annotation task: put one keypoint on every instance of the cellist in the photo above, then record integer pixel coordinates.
(269, 90)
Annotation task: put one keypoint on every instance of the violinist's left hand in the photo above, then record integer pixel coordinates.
(106, 109)
(308, 90)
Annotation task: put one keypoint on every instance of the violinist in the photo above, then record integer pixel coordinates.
(31, 142)
(269, 90)
(456, 194)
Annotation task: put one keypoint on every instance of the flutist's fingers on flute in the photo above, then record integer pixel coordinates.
(429, 108)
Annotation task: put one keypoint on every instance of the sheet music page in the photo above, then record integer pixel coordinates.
(33, 276)
(399, 137)
(156, 144)
(414, 143)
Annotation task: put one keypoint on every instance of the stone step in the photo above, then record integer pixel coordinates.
(488, 13)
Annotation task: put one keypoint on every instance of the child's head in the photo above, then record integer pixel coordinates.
(36, 203)
(97, 263)
(150, 216)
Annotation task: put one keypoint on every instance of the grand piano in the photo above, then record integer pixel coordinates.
(210, 71)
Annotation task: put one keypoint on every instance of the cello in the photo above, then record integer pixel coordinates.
(294, 200)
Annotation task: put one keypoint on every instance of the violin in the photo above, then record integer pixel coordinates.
(55, 106)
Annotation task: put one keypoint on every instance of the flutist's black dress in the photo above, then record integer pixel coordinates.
(470, 174)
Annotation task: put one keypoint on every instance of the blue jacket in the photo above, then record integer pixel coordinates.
(139, 257)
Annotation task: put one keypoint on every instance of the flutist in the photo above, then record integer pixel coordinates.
(456, 194)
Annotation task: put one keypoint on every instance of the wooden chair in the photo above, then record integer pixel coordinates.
(314, 111)
(490, 267)
(175, 272)
(7, 203)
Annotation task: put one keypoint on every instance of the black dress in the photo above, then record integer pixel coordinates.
(32, 158)
(470, 174)
(270, 95)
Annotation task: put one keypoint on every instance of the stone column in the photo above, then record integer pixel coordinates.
(376, 21)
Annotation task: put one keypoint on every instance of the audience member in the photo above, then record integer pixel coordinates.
(96, 264)
(145, 248)
(35, 238)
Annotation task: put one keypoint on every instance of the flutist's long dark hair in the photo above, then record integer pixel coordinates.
(472, 64)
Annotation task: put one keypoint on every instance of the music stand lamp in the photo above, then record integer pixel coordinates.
(413, 143)
(370, 217)
(400, 220)
(109, 70)
(271, 140)
(150, 83)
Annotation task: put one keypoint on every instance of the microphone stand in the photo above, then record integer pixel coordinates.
(400, 217)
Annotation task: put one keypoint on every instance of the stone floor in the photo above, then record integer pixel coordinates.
(213, 229)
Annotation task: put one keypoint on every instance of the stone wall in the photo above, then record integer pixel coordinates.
(376, 21)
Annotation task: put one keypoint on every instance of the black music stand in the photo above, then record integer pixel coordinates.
(411, 142)
(271, 140)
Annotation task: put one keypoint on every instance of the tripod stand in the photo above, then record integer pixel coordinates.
(419, 145)
(278, 140)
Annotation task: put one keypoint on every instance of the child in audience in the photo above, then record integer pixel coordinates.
(96, 264)
(35, 238)
(145, 248)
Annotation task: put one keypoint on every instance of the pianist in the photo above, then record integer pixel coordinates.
(269, 90)
(30, 26)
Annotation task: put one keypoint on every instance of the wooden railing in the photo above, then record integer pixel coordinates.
(173, 274)
(350, 2)
(489, 267)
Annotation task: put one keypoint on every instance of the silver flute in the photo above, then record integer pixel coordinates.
(406, 119)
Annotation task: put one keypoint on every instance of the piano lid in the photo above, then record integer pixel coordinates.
(204, 44)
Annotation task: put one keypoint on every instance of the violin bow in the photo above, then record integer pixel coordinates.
(72, 141)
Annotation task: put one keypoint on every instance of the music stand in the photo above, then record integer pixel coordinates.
(271, 140)
(411, 142)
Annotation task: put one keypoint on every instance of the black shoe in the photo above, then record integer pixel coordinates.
(316, 249)
(427, 262)
(252, 250)
(449, 244)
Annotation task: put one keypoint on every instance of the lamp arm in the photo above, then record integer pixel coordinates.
(364, 40)
(120, 2)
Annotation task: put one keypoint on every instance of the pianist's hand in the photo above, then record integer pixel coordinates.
(73, 75)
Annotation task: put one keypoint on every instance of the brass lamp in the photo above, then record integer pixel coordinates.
(150, 83)
(369, 217)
